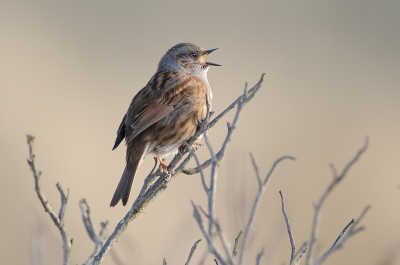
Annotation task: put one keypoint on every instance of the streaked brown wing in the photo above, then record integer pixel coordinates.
(163, 93)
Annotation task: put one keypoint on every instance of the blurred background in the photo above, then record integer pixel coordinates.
(69, 70)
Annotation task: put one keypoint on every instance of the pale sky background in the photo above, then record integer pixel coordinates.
(69, 70)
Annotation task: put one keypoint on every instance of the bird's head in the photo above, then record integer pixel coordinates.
(188, 58)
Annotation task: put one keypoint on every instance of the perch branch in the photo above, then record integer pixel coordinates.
(160, 184)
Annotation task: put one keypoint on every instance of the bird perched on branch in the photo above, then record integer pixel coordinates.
(166, 112)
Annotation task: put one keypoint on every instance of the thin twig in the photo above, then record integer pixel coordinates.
(253, 161)
(192, 250)
(292, 244)
(259, 256)
(213, 249)
(211, 193)
(317, 212)
(235, 247)
(342, 238)
(58, 220)
(334, 245)
(301, 249)
(301, 254)
(87, 221)
(359, 218)
(224, 242)
(204, 212)
(255, 206)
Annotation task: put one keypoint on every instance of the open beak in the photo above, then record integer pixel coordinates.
(207, 52)
(210, 51)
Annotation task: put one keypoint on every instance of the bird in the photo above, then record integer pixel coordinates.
(166, 112)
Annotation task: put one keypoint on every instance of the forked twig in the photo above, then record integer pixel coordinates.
(87, 221)
(262, 185)
(343, 236)
(317, 212)
(58, 220)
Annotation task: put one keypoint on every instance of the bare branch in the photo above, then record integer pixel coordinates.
(254, 209)
(224, 242)
(213, 249)
(58, 220)
(192, 250)
(363, 213)
(235, 248)
(334, 245)
(212, 187)
(87, 221)
(331, 186)
(342, 238)
(292, 244)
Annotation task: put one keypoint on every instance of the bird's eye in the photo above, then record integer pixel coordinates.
(193, 55)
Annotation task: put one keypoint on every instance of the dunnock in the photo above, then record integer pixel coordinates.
(166, 112)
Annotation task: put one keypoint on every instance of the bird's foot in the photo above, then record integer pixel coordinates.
(168, 174)
(195, 144)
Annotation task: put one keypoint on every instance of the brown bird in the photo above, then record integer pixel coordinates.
(166, 112)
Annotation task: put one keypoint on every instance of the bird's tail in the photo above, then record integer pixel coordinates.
(124, 186)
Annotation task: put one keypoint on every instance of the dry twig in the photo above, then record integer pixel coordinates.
(192, 250)
(87, 221)
(342, 238)
(262, 185)
(336, 179)
(259, 256)
(291, 239)
(235, 247)
(58, 220)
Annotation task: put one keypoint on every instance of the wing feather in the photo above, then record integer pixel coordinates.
(120, 133)
(162, 94)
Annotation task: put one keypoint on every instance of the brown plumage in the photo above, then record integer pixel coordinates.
(166, 112)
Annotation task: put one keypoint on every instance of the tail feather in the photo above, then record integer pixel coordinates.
(125, 184)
